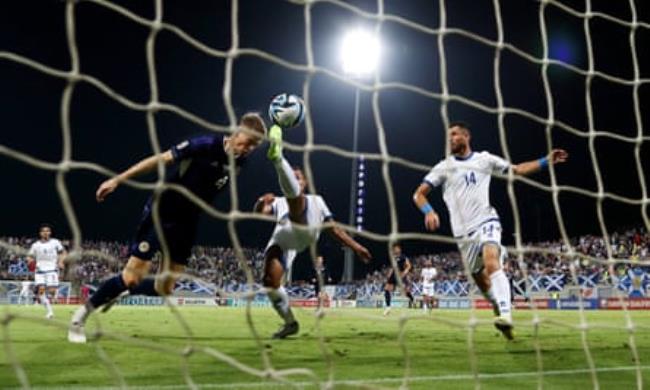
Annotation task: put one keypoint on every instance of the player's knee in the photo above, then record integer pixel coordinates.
(164, 286)
(131, 279)
(164, 290)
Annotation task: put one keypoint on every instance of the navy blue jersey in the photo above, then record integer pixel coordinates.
(201, 166)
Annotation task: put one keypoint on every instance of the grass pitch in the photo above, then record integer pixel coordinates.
(147, 347)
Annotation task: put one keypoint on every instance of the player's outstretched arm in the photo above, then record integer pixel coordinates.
(141, 167)
(344, 238)
(264, 204)
(556, 156)
(431, 219)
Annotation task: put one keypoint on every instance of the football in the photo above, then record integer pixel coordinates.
(287, 110)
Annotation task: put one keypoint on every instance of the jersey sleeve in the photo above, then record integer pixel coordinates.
(497, 164)
(59, 247)
(280, 208)
(32, 251)
(193, 147)
(274, 207)
(322, 207)
(436, 176)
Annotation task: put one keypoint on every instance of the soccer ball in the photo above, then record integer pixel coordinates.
(287, 110)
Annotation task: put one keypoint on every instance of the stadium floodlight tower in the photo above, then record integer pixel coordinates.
(360, 52)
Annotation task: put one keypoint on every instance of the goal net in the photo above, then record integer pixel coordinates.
(522, 76)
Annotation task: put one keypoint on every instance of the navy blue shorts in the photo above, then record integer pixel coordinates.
(179, 235)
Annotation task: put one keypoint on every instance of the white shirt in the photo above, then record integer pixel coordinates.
(46, 254)
(286, 236)
(466, 188)
(428, 275)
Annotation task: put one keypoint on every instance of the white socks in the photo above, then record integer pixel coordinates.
(46, 302)
(501, 292)
(80, 315)
(287, 178)
(280, 301)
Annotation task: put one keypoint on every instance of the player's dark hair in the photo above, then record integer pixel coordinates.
(396, 244)
(43, 226)
(462, 125)
(253, 121)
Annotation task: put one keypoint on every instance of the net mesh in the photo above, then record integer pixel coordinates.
(300, 377)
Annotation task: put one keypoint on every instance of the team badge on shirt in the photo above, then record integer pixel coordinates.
(144, 247)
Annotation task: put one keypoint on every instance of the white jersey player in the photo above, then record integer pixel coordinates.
(465, 179)
(428, 277)
(48, 253)
(299, 222)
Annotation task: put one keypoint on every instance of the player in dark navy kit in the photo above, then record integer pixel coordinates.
(201, 166)
(404, 267)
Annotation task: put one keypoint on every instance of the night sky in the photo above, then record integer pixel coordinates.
(112, 49)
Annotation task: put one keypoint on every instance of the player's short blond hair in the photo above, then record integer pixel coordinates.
(253, 121)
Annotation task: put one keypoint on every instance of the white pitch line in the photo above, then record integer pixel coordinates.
(432, 378)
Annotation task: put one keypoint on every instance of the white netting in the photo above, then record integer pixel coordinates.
(296, 377)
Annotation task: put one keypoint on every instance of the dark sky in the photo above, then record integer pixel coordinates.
(112, 49)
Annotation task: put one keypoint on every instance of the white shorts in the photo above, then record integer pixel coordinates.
(472, 250)
(291, 241)
(49, 279)
(428, 290)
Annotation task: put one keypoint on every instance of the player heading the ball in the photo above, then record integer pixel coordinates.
(202, 168)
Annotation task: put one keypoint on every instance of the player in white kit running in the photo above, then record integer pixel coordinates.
(293, 210)
(428, 276)
(465, 177)
(48, 253)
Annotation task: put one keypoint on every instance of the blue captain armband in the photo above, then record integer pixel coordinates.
(543, 162)
(426, 209)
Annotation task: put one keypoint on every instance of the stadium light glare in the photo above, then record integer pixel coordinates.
(360, 52)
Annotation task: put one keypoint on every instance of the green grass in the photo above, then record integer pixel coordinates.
(362, 345)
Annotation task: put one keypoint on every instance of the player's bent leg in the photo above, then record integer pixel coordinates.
(162, 285)
(273, 274)
(134, 271)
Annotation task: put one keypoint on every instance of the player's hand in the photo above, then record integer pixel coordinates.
(557, 156)
(431, 221)
(267, 198)
(363, 253)
(264, 204)
(106, 188)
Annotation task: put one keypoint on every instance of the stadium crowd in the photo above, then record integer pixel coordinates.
(220, 266)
